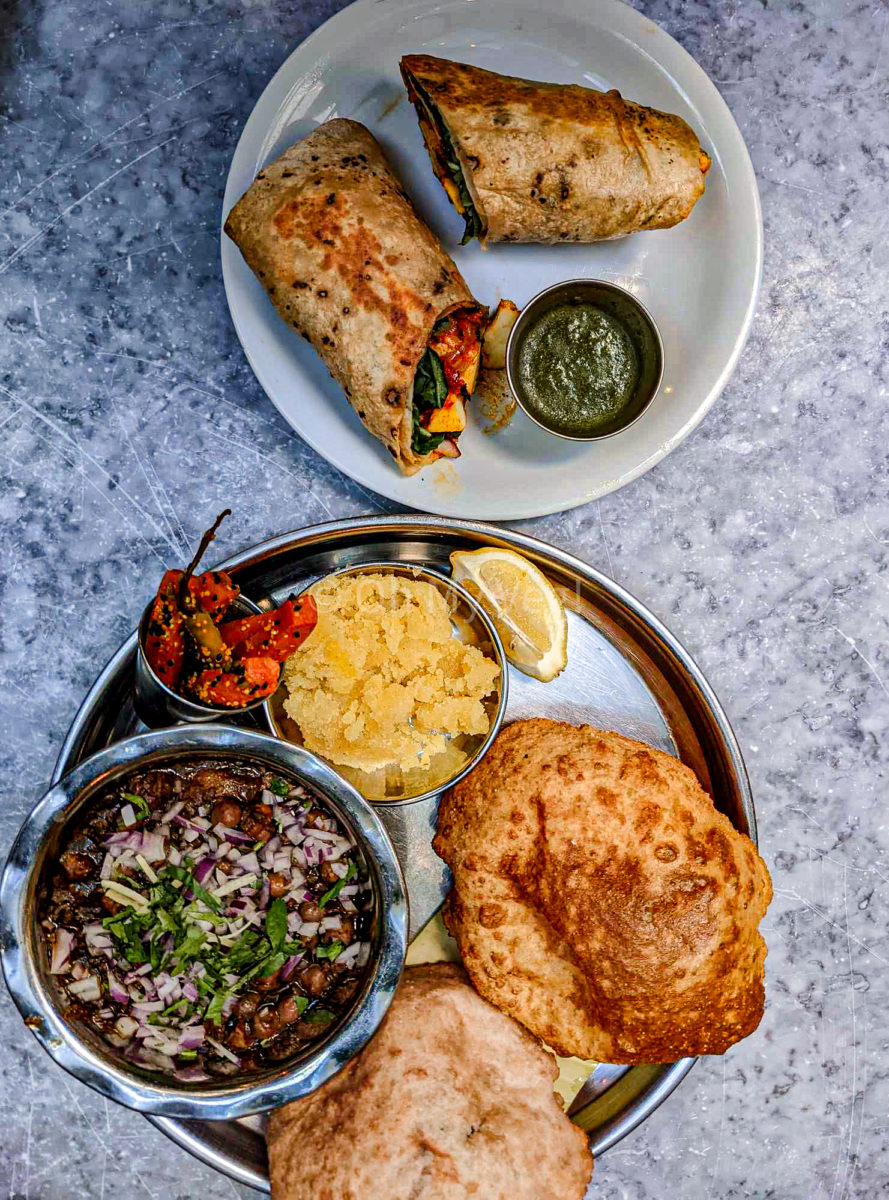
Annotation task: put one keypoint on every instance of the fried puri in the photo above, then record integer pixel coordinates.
(601, 899)
(451, 1099)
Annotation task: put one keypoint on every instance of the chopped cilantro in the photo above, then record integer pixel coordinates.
(139, 804)
(279, 787)
(318, 1016)
(333, 892)
(276, 923)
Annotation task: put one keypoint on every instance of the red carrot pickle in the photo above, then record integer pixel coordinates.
(221, 664)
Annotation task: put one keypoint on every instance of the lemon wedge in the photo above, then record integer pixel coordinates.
(522, 603)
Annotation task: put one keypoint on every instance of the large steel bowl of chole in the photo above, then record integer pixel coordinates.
(70, 1031)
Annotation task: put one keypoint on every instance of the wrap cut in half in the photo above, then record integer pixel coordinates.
(544, 162)
(346, 261)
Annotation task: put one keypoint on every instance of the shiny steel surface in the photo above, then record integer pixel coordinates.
(472, 625)
(625, 672)
(591, 290)
(157, 705)
(88, 1056)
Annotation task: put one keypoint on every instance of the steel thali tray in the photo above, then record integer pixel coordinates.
(625, 672)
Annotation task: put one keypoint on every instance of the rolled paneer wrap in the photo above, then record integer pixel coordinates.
(544, 162)
(346, 261)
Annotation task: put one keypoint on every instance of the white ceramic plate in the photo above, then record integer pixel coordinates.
(700, 280)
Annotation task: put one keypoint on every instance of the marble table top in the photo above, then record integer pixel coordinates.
(129, 416)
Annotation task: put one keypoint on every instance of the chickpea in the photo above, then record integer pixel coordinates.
(314, 980)
(248, 1005)
(76, 866)
(240, 1038)
(344, 933)
(328, 874)
(262, 812)
(278, 884)
(226, 812)
(256, 829)
(266, 1023)
(288, 1010)
(111, 905)
(266, 985)
(309, 911)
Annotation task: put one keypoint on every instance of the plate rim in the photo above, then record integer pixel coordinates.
(664, 1083)
(254, 132)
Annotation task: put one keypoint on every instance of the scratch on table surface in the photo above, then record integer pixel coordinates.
(879, 541)
(72, 441)
(843, 1161)
(605, 539)
(849, 1165)
(104, 1172)
(870, 666)
(869, 869)
(159, 494)
(102, 142)
(277, 466)
(36, 237)
(72, 1093)
(828, 921)
(715, 1176)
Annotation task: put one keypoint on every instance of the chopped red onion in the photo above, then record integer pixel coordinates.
(116, 990)
(191, 1037)
(349, 956)
(62, 945)
(85, 989)
(126, 1026)
(203, 869)
(172, 812)
(224, 1050)
(289, 967)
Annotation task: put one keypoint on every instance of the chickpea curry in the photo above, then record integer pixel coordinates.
(208, 918)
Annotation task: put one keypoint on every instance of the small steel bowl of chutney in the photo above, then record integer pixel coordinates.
(585, 359)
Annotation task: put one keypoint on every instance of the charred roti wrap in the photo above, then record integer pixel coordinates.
(350, 266)
(544, 162)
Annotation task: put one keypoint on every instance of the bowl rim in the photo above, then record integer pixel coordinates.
(394, 566)
(524, 317)
(162, 1095)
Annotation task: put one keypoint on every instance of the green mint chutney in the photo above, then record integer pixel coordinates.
(578, 368)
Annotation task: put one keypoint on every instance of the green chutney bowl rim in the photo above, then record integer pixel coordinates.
(575, 285)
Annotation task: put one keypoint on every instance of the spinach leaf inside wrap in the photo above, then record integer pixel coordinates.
(448, 161)
(430, 391)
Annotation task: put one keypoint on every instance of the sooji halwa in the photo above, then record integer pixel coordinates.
(382, 684)
(208, 918)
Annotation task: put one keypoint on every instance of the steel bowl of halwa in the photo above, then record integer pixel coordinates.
(202, 921)
(402, 685)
